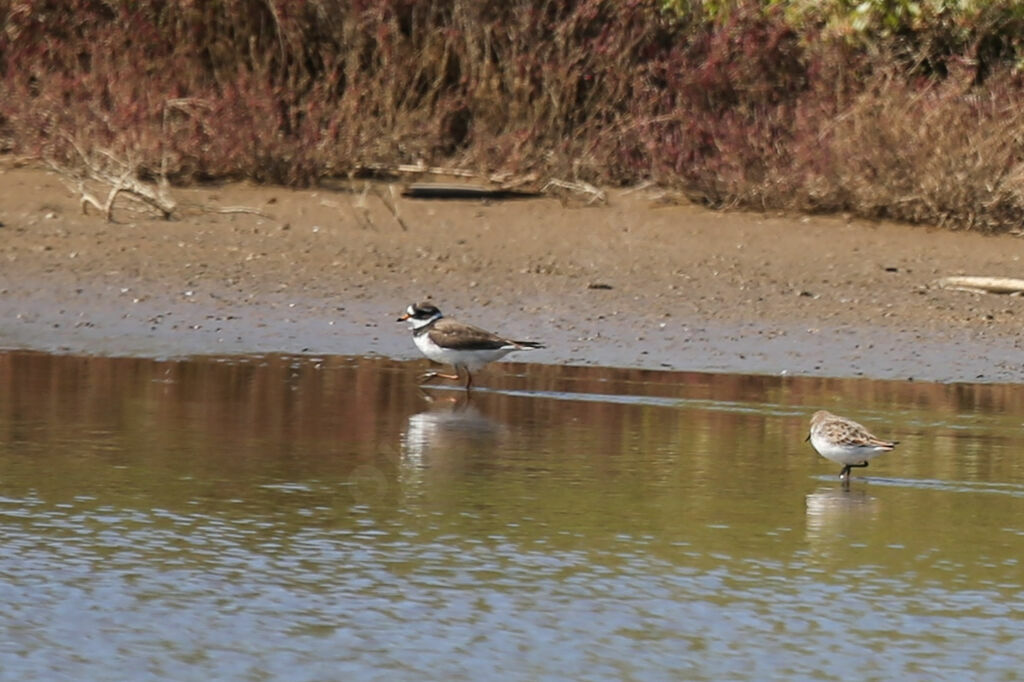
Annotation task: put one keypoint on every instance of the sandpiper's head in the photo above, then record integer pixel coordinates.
(820, 416)
(817, 418)
(420, 314)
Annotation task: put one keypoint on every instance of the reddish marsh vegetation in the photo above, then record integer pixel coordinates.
(747, 108)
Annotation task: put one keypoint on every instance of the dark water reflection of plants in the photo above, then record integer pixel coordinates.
(321, 517)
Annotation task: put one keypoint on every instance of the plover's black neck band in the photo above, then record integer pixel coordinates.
(420, 331)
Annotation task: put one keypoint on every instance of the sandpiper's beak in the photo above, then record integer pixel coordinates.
(808, 437)
(403, 318)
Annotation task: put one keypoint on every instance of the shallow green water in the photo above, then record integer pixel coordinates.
(315, 519)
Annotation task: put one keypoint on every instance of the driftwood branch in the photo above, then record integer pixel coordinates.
(93, 172)
(984, 285)
(118, 176)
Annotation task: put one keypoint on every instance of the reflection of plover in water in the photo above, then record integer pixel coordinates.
(845, 442)
(448, 433)
(453, 343)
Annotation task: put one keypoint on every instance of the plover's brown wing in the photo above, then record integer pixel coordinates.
(458, 336)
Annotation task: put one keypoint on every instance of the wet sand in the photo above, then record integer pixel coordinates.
(634, 283)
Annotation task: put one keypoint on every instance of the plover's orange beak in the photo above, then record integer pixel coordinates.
(403, 318)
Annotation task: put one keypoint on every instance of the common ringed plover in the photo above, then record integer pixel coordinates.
(463, 346)
(845, 441)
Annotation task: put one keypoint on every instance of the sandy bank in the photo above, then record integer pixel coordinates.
(634, 283)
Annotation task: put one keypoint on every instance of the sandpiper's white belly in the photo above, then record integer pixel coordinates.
(470, 359)
(844, 453)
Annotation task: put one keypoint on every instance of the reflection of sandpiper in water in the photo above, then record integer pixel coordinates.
(845, 442)
(465, 347)
(830, 511)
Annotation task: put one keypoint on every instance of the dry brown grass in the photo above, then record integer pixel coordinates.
(744, 112)
(941, 153)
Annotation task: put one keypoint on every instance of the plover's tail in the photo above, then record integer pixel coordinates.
(528, 345)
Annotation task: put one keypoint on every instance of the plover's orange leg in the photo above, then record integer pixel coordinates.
(427, 376)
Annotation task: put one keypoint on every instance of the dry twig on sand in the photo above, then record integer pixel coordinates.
(227, 210)
(580, 187)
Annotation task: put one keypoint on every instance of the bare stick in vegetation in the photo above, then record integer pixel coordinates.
(390, 202)
(183, 105)
(361, 209)
(417, 168)
(506, 181)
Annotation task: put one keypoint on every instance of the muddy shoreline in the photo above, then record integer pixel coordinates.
(634, 283)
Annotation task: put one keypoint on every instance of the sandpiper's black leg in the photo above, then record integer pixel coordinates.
(845, 473)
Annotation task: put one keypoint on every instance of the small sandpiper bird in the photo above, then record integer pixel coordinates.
(845, 442)
(453, 343)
